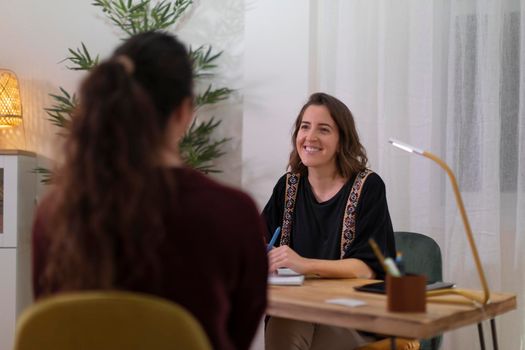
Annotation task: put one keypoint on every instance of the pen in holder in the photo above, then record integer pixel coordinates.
(406, 293)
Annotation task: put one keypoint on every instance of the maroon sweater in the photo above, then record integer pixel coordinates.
(213, 260)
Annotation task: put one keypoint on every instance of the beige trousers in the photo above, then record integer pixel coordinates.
(286, 334)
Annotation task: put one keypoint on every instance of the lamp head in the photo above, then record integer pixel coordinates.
(405, 147)
(10, 103)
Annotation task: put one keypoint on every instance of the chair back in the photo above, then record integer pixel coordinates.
(421, 254)
(108, 321)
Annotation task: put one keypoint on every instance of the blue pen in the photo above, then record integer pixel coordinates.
(274, 238)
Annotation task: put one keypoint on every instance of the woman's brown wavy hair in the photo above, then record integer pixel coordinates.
(108, 207)
(351, 155)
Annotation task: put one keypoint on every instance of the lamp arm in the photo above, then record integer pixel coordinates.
(459, 201)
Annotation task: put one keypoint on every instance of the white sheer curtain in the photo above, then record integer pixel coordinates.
(448, 77)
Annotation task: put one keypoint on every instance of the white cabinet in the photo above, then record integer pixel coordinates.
(17, 203)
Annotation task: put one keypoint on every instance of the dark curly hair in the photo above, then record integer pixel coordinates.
(106, 204)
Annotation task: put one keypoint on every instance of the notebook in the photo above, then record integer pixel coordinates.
(286, 280)
(286, 277)
(284, 271)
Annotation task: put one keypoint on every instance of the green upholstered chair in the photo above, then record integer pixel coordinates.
(422, 256)
(108, 321)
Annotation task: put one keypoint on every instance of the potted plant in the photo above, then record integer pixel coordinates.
(130, 17)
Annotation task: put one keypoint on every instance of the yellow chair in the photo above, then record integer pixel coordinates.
(108, 321)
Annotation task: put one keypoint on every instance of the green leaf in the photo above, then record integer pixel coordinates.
(197, 148)
(81, 59)
(136, 17)
(203, 61)
(211, 96)
(61, 111)
(46, 174)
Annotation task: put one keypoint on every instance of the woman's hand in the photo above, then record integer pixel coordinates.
(284, 256)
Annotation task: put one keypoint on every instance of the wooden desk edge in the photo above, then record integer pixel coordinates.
(472, 317)
(388, 325)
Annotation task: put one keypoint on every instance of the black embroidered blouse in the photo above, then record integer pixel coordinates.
(316, 227)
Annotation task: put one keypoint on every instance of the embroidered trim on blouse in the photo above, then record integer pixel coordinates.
(292, 181)
(348, 230)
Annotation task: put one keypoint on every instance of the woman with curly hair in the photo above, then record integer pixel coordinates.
(328, 206)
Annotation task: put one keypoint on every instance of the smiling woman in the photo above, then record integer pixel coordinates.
(328, 206)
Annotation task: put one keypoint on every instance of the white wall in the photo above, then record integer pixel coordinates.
(276, 85)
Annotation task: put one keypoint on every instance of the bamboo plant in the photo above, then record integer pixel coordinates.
(198, 148)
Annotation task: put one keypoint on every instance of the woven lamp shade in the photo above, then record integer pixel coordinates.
(10, 104)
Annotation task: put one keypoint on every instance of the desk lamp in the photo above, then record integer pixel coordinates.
(459, 201)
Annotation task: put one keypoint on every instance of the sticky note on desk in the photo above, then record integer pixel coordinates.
(346, 302)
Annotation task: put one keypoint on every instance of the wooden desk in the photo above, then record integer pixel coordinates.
(307, 303)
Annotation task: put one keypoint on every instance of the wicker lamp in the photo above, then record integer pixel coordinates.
(10, 103)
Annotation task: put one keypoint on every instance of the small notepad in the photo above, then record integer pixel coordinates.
(346, 302)
(284, 271)
(295, 280)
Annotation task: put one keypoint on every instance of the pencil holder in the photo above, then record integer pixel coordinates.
(406, 293)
